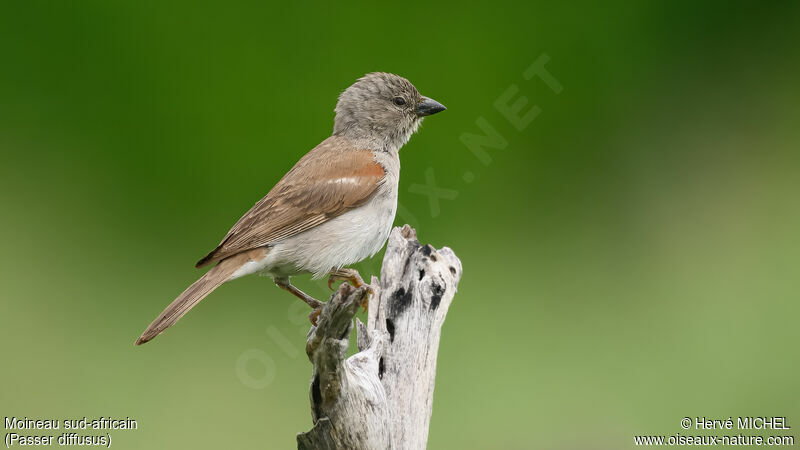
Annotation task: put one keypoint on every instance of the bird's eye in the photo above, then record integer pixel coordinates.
(399, 101)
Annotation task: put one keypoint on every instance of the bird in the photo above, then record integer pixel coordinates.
(334, 208)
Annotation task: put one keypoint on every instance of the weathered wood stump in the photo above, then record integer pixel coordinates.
(381, 397)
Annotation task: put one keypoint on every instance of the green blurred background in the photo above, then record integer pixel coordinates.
(630, 258)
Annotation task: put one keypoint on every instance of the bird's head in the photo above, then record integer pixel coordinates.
(384, 107)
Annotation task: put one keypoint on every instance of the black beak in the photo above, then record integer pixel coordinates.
(429, 106)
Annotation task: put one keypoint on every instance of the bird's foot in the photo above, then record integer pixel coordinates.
(314, 315)
(354, 278)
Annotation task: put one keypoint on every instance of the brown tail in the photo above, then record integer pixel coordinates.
(190, 297)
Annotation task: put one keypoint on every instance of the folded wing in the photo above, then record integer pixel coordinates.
(329, 180)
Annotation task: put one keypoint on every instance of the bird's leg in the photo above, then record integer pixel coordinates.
(351, 276)
(317, 305)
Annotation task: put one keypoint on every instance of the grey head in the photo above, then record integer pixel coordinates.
(383, 108)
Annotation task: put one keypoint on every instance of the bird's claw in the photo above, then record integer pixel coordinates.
(331, 280)
(351, 276)
(355, 280)
(314, 316)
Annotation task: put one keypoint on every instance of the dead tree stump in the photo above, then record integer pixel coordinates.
(382, 397)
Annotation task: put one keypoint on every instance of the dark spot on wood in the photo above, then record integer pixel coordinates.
(405, 267)
(429, 251)
(421, 274)
(453, 270)
(400, 301)
(316, 397)
(390, 329)
(381, 368)
(436, 298)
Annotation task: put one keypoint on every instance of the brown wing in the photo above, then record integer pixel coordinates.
(328, 181)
